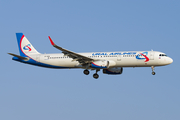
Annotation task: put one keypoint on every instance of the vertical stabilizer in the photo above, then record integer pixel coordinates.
(25, 47)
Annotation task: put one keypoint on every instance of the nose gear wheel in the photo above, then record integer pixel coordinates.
(153, 73)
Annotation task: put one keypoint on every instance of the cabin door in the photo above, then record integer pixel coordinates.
(118, 57)
(151, 57)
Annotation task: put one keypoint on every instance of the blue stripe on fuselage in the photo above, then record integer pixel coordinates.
(96, 66)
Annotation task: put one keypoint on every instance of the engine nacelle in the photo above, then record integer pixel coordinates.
(100, 64)
(111, 64)
(113, 71)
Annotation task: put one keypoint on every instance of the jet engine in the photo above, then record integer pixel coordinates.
(113, 71)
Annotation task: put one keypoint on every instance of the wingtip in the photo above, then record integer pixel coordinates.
(52, 43)
(9, 53)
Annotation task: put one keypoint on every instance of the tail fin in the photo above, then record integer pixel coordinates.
(25, 47)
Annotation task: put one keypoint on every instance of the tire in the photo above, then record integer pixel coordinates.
(153, 73)
(96, 76)
(86, 72)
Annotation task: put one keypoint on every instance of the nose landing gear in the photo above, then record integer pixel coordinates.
(153, 73)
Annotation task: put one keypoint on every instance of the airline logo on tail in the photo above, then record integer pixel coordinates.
(143, 56)
(27, 47)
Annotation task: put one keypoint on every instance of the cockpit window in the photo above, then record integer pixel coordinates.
(162, 55)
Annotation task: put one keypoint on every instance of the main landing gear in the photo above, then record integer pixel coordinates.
(95, 75)
(86, 72)
(153, 73)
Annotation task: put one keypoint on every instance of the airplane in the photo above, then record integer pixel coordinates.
(111, 63)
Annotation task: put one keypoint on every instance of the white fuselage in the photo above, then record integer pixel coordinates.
(118, 59)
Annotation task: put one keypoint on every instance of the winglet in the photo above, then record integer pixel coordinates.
(52, 43)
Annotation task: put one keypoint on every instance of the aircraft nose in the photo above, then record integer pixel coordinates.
(170, 60)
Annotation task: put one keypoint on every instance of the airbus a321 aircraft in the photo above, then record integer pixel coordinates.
(111, 63)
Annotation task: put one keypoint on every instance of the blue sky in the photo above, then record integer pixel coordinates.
(29, 92)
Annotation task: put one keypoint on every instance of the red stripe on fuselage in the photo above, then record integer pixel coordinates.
(94, 64)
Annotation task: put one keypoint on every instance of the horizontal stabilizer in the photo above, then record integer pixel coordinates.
(20, 57)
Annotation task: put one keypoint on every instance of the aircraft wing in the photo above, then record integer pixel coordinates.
(75, 56)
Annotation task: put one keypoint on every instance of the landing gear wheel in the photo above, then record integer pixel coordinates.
(153, 73)
(96, 76)
(86, 72)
